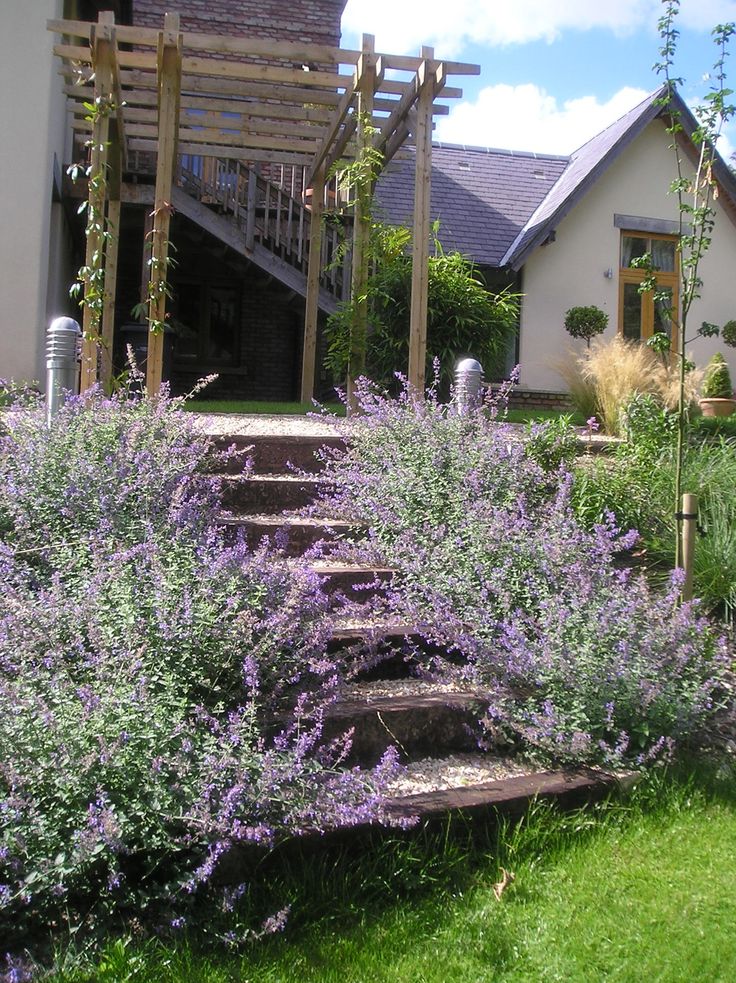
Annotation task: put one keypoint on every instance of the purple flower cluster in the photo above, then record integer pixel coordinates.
(163, 693)
(581, 661)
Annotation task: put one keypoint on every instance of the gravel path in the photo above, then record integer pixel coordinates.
(217, 424)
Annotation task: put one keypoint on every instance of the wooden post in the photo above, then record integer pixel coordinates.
(689, 517)
(250, 215)
(169, 93)
(111, 262)
(309, 347)
(362, 222)
(422, 225)
(94, 292)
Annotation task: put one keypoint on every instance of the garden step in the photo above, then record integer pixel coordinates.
(510, 794)
(294, 534)
(267, 493)
(275, 453)
(355, 581)
(388, 650)
(419, 718)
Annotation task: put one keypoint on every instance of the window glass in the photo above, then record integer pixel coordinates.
(223, 318)
(663, 255)
(662, 311)
(632, 247)
(632, 312)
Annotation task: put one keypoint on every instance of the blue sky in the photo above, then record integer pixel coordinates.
(553, 72)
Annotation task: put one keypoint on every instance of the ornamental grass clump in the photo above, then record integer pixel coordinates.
(163, 694)
(580, 661)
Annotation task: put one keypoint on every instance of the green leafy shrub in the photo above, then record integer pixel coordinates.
(579, 661)
(728, 333)
(463, 317)
(585, 322)
(717, 379)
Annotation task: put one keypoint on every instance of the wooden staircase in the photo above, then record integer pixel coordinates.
(432, 727)
(265, 215)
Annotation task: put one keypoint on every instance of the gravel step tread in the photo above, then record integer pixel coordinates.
(512, 793)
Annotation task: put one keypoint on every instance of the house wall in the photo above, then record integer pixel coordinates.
(316, 21)
(570, 271)
(33, 241)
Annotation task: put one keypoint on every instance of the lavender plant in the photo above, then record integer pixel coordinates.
(162, 695)
(580, 661)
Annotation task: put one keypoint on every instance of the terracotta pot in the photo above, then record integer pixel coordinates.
(718, 407)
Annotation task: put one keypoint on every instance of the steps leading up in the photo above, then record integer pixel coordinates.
(427, 724)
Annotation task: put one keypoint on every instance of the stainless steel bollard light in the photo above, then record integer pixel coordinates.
(468, 379)
(62, 362)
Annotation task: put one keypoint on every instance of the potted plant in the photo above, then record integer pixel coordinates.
(717, 391)
(585, 322)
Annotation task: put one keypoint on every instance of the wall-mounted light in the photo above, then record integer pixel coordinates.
(608, 274)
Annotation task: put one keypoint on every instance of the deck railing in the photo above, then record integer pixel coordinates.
(271, 205)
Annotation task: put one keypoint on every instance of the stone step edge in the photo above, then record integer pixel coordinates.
(511, 794)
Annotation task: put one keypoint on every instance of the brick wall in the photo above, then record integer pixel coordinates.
(532, 399)
(316, 21)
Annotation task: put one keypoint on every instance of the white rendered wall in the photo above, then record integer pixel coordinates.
(32, 121)
(569, 272)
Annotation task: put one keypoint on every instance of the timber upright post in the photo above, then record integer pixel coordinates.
(169, 94)
(689, 518)
(422, 223)
(366, 72)
(309, 347)
(102, 43)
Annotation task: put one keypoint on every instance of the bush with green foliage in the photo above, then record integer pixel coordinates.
(728, 334)
(636, 485)
(162, 692)
(463, 317)
(717, 379)
(580, 661)
(585, 322)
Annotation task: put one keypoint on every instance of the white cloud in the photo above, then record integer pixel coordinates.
(526, 117)
(403, 25)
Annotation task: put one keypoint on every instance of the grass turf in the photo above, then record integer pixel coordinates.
(631, 891)
(301, 409)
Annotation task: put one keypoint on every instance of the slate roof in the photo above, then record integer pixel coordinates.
(482, 198)
(497, 206)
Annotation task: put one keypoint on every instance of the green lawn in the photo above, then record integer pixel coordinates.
(631, 892)
(300, 409)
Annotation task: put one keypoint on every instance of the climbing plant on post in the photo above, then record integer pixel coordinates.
(91, 277)
(364, 175)
(169, 94)
(695, 193)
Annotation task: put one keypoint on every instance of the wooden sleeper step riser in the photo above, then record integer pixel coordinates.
(419, 729)
(293, 538)
(267, 497)
(272, 454)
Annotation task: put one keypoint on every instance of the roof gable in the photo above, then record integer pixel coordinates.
(591, 160)
(497, 206)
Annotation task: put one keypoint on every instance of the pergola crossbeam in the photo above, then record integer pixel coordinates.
(251, 100)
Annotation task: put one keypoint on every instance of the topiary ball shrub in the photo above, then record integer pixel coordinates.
(717, 379)
(585, 322)
(728, 333)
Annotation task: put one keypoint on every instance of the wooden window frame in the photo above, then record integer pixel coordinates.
(671, 279)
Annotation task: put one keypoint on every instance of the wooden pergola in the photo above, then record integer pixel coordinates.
(171, 92)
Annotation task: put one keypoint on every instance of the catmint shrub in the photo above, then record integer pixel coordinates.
(162, 694)
(579, 661)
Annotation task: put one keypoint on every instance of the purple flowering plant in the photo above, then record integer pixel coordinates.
(581, 661)
(162, 692)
